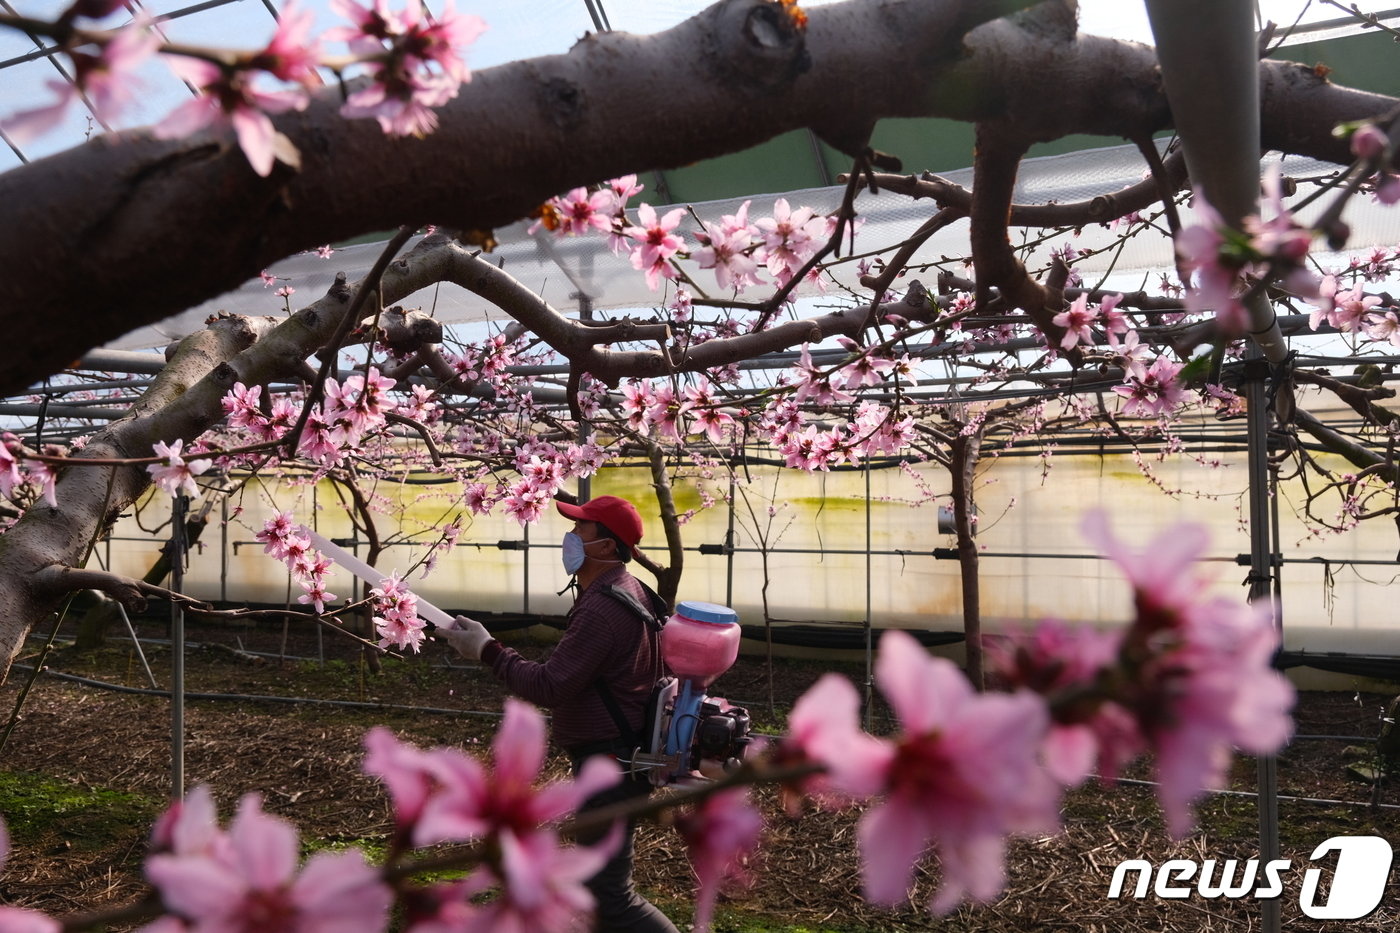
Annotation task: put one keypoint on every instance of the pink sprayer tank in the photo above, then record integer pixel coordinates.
(700, 641)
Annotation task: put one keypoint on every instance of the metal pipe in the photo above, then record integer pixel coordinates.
(937, 554)
(223, 549)
(585, 314)
(131, 630)
(178, 508)
(1260, 590)
(1289, 797)
(265, 698)
(729, 547)
(869, 616)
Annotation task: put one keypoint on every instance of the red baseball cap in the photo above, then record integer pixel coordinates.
(617, 515)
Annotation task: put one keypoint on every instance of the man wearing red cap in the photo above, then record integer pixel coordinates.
(596, 682)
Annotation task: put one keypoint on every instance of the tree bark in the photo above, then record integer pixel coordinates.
(965, 448)
(126, 230)
(668, 578)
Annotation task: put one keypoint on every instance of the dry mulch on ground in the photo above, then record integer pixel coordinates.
(305, 761)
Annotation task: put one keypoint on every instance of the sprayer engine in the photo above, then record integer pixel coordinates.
(689, 735)
(721, 734)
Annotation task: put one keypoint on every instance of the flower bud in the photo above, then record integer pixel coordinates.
(1369, 142)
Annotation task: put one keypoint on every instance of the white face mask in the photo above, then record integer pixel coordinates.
(575, 553)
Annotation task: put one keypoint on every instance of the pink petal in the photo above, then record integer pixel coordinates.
(27, 125)
(189, 117)
(892, 839)
(920, 688)
(1069, 753)
(196, 828)
(255, 138)
(559, 799)
(17, 920)
(526, 865)
(196, 886)
(825, 724)
(455, 812)
(195, 71)
(402, 768)
(519, 747)
(264, 847)
(973, 866)
(340, 893)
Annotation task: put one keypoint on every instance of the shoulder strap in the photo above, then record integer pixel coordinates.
(624, 728)
(653, 616)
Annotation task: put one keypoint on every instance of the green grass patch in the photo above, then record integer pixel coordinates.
(40, 810)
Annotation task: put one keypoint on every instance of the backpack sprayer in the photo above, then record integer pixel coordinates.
(686, 733)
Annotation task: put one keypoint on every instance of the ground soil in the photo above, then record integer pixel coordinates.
(305, 761)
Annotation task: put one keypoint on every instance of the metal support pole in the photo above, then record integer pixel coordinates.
(585, 483)
(1260, 576)
(729, 546)
(223, 549)
(316, 526)
(869, 617)
(131, 630)
(178, 510)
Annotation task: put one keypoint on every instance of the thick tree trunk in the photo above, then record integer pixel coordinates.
(90, 498)
(127, 230)
(965, 449)
(668, 578)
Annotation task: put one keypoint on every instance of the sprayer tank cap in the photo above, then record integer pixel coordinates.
(707, 612)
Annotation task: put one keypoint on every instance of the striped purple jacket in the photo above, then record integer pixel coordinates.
(603, 641)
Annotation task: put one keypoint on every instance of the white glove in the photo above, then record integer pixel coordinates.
(468, 637)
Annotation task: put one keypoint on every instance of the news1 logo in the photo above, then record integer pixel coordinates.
(1358, 882)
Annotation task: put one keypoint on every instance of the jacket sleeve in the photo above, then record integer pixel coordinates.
(577, 662)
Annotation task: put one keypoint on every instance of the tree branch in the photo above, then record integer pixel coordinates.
(999, 153)
(127, 229)
(1100, 209)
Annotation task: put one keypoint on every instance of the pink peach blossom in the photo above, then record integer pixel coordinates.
(542, 884)
(175, 475)
(108, 80)
(1202, 674)
(719, 832)
(1077, 320)
(228, 99)
(963, 773)
(293, 53)
(728, 252)
(656, 243)
(447, 796)
(254, 883)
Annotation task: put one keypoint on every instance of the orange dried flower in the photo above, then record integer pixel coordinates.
(548, 215)
(794, 12)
